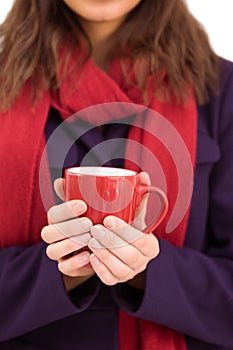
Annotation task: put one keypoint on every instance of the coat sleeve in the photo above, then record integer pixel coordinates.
(32, 291)
(188, 289)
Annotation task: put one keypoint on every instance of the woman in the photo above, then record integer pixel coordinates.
(159, 291)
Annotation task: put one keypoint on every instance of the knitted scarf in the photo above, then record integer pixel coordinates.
(22, 141)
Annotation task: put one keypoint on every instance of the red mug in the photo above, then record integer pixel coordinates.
(110, 191)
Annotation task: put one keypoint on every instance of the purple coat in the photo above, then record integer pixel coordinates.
(189, 289)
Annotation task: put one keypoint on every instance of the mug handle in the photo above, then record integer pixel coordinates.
(143, 189)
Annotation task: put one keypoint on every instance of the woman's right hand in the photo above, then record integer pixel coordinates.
(66, 235)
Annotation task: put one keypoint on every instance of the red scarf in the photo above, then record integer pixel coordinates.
(22, 141)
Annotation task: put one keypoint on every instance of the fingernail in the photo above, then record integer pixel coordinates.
(98, 231)
(84, 258)
(146, 176)
(85, 223)
(79, 207)
(95, 260)
(95, 244)
(110, 222)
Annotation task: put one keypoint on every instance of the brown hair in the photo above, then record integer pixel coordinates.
(163, 34)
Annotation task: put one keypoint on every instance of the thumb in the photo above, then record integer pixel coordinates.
(59, 188)
(144, 178)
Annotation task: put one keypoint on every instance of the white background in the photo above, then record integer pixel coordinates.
(215, 15)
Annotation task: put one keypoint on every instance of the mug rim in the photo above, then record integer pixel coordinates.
(100, 171)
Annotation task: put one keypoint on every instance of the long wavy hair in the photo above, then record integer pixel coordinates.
(160, 34)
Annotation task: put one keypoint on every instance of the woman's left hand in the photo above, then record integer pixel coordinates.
(120, 252)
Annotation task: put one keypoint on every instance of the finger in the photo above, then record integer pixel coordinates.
(124, 231)
(147, 244)
(102, 271)
(77, 265)
(122, 261)
(107, 238)
(140, 212)
(67, 229)
(62, 249)
(144, 178)
(66, 211)
(59, 188)
(118, 247)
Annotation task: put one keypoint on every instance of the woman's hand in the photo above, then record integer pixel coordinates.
(121, 252)
(66, 234)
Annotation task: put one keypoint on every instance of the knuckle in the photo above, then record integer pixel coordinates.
(72, 245)
(142, 242)
(103, 255)
(50, 252)
(64, 269)
(128, 278)
(135, 258)
(109, 281)
(126, 275)
(51, 214)
(44, 234)
(62, 230)
(142, 267)
(61, 267)
(69, 245)
(73, 264)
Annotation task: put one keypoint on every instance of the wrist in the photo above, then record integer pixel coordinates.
(71, 283)
(138, 282)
